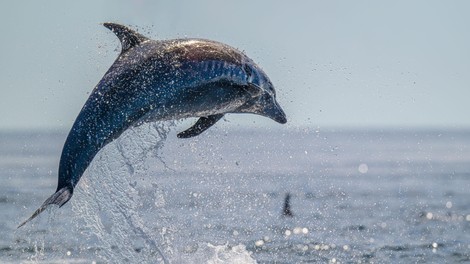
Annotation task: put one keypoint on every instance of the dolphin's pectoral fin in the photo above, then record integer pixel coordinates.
(60, 197)
(127, 36)
(201, 125)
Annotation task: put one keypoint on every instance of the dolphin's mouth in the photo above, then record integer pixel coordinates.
(275, 112)
(281, 119)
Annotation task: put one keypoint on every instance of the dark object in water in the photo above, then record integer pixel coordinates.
(286, 211)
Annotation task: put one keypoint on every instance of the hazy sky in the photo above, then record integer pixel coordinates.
(334, 63)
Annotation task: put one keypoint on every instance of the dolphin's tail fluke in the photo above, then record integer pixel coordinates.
(59, 198)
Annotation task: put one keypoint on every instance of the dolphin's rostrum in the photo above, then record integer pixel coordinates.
(154, 80)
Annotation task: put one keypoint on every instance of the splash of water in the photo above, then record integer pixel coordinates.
(121, 207)
(112, 200)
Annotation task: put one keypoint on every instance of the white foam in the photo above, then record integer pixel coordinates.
(216, 254)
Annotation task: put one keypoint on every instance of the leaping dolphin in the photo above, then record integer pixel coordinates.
(153, 80)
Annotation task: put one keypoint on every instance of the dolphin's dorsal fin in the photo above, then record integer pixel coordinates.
(128, 37)
(201, 125)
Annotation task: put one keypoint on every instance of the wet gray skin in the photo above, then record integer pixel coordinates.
(155, 80)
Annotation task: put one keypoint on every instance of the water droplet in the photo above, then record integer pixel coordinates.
(363, 168)
(259, 243)
(429, 215)
(297, 230)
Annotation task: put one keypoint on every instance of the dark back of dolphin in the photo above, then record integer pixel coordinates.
(161, 80)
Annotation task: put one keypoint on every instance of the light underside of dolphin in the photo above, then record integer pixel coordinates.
(154, 80)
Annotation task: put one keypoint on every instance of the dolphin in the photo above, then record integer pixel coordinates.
(157, 80)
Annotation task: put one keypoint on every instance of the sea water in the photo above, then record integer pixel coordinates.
(357, 196)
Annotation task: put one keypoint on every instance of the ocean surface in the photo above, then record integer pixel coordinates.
(357, 196)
